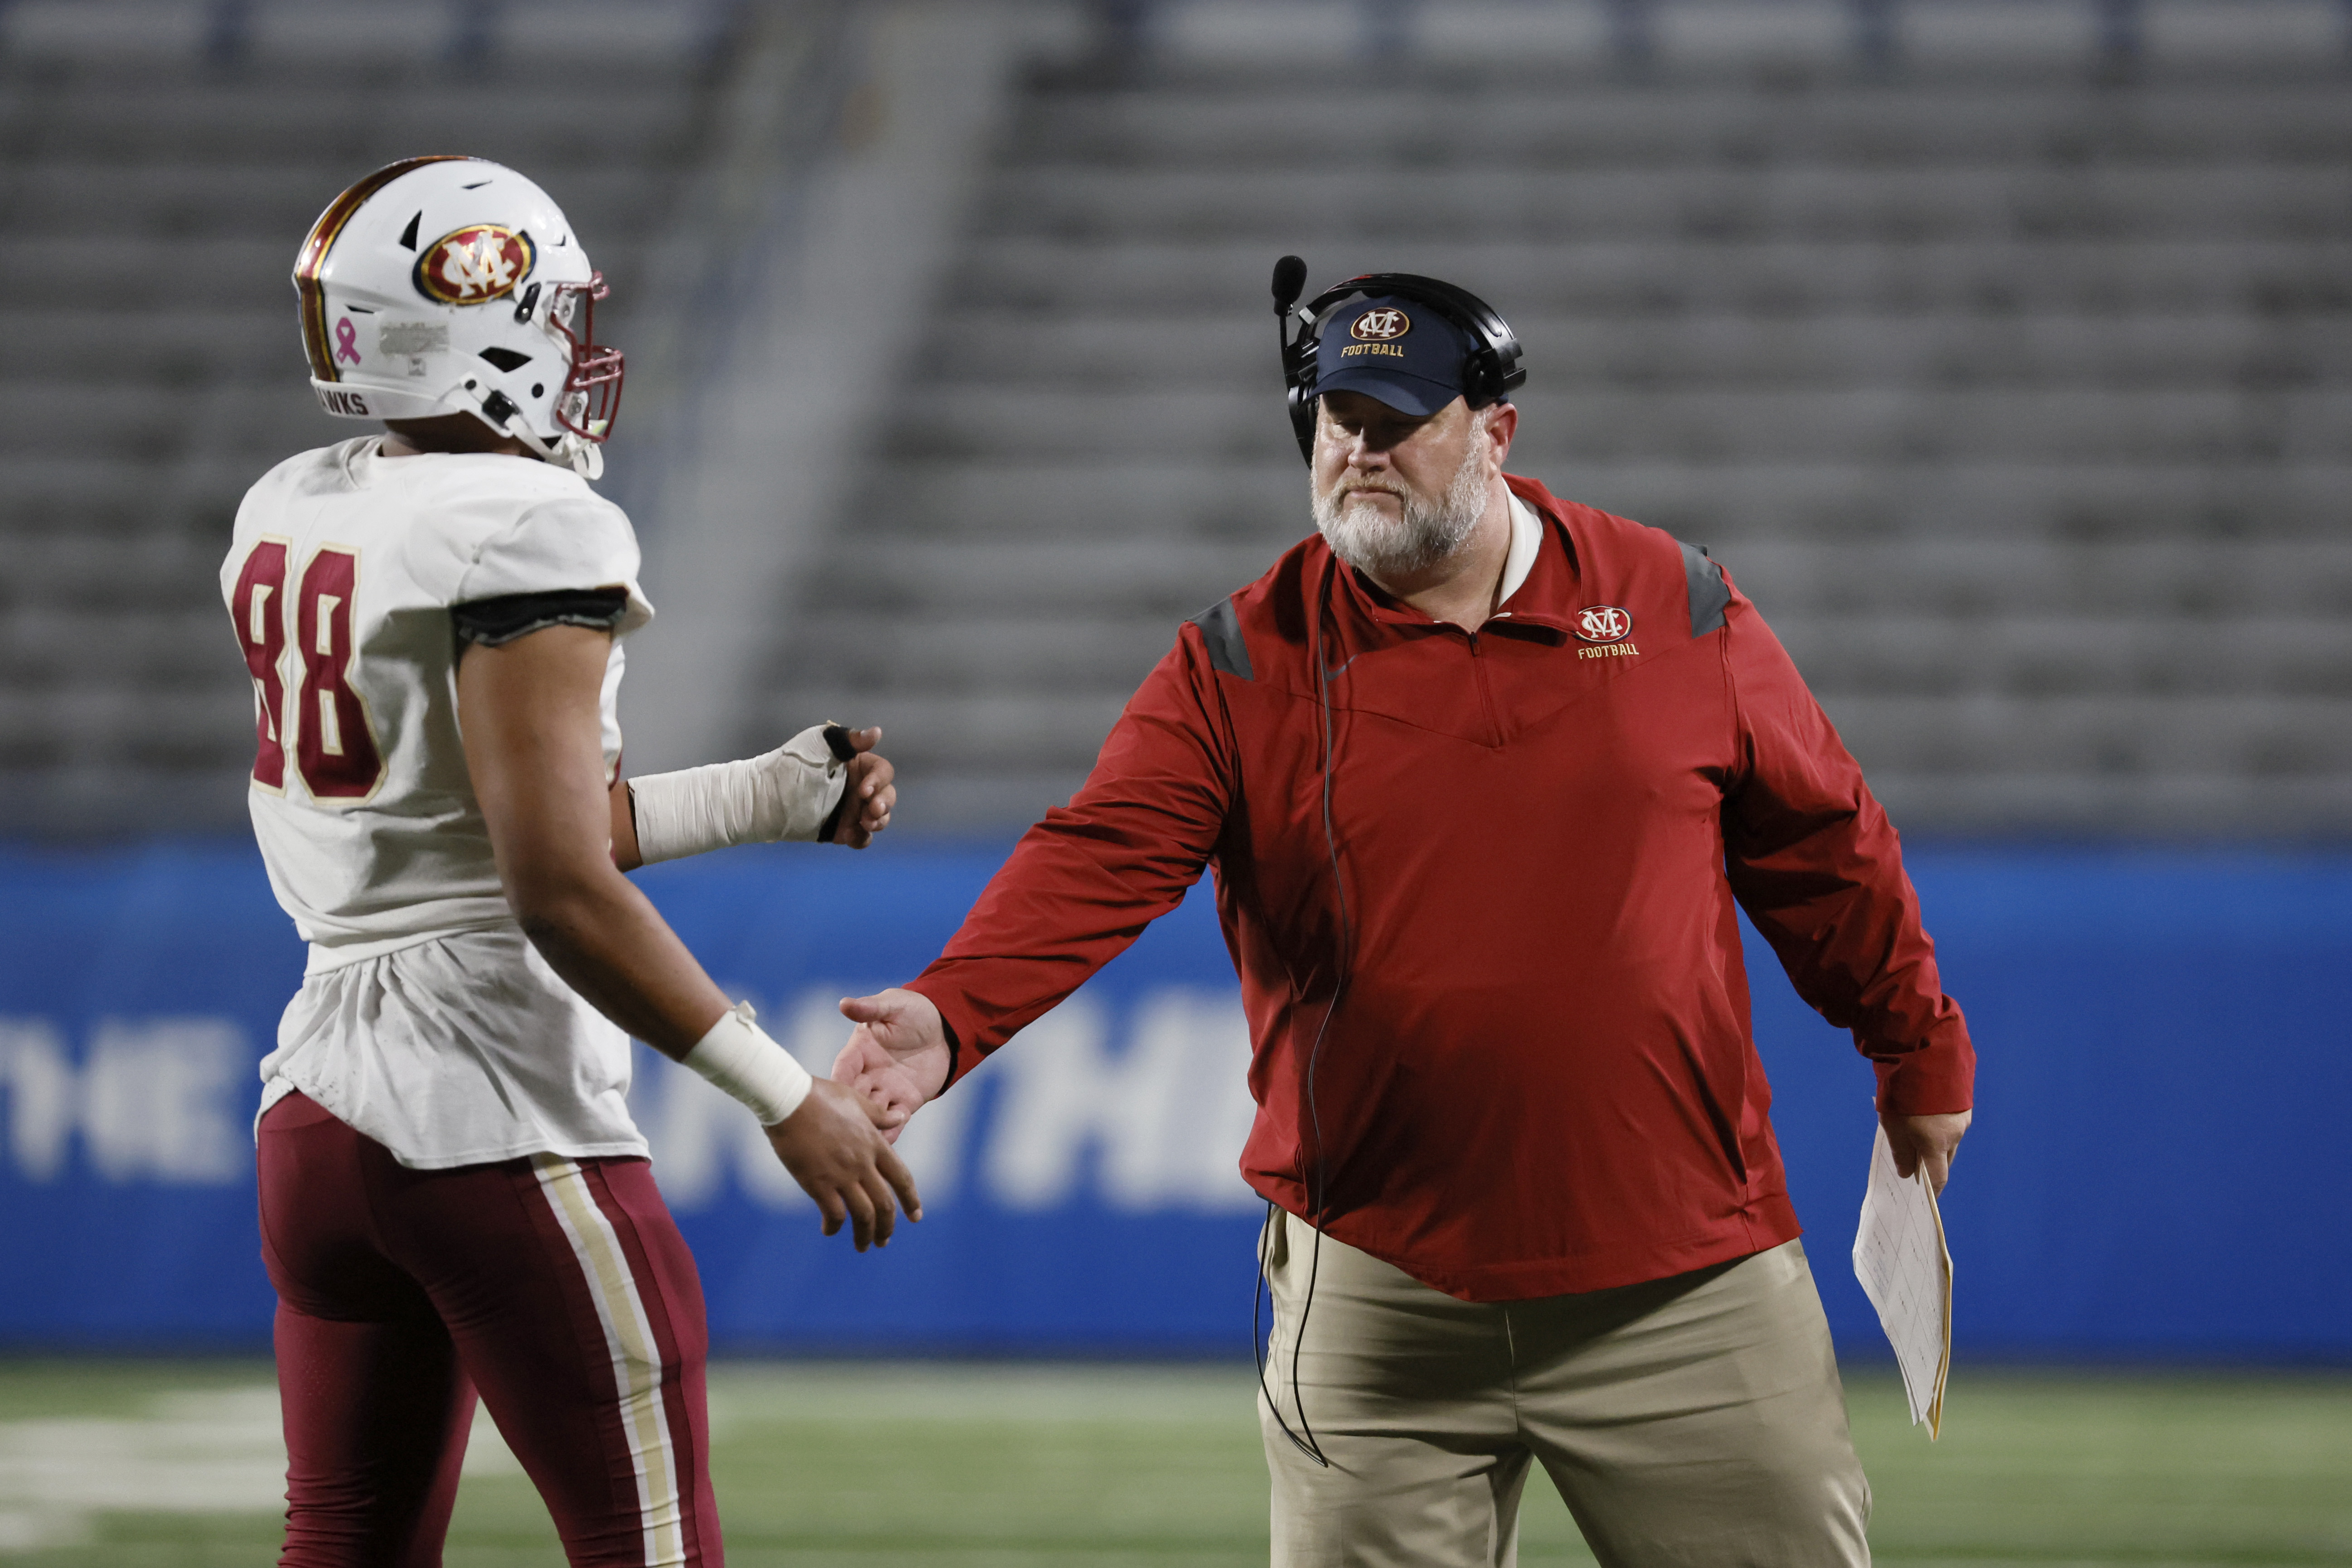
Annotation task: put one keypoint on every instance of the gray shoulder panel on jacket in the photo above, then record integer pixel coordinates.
(1221, 630)
(1709, 593)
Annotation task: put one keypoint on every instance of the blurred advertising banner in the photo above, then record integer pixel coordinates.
(2163, 1061)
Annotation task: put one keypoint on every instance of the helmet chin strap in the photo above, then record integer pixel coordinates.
(582, 457)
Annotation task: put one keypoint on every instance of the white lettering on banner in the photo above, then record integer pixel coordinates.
(1164, 1119)
(700, 1136)
(152, 1098)
(40, 1083)
(1169, 1115)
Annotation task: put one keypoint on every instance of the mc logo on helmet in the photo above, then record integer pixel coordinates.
(474, 265)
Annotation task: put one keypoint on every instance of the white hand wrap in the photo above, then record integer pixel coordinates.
(786, 794)
(738, 1056)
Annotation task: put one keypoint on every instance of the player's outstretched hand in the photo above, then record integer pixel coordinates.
(1930, 1140)
(869, 797)
(835, 1146)
(898, 1056)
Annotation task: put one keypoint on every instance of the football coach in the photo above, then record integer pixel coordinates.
(1485, 778)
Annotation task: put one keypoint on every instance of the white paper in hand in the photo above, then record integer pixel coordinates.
(1907, 1271)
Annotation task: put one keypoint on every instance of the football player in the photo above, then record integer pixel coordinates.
(452, 1196)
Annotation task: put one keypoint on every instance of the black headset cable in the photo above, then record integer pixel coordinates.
(1309, 1444)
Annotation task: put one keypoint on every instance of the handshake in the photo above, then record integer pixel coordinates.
(837, 1140)
(826, 784)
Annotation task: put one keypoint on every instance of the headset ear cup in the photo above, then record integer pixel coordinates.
(1298, 387)
(1485, 378)
(1301, 399)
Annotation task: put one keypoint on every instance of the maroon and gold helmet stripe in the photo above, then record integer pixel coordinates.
(313, 256)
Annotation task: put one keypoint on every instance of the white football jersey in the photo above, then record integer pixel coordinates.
(340, 581)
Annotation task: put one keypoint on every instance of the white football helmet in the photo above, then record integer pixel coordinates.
(451, 285)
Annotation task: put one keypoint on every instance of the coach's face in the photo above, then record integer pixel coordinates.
(1398, 494)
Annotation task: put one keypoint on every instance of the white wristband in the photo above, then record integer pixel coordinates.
(784, 794)
(738, 1056)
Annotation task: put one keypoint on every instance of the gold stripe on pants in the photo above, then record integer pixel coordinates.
(1692, 1422)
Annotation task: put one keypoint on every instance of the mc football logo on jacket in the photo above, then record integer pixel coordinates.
(1603, 623)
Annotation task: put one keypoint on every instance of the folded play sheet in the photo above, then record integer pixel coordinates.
(1906, 1270)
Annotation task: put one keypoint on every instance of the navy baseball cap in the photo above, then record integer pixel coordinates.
(1402, 352)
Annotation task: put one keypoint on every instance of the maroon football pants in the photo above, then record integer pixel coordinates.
(559, 1289)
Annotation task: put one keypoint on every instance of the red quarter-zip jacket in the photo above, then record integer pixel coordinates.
(1538, 1076)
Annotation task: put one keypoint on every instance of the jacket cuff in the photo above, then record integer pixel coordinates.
(1933, 1081)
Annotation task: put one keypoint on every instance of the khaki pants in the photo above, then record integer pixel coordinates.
(1695, 1420)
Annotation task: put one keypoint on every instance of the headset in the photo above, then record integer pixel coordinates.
(1491, 374)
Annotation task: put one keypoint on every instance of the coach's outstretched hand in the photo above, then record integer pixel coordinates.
(837, 1147)
(1914, 1141)
(897, 1057)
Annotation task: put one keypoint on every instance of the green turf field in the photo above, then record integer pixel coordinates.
(116, 1464)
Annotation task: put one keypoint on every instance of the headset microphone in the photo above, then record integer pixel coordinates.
(1289, 282)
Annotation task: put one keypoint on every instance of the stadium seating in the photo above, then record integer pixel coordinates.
(162, 163)
(2009, 371)
(2003, 353)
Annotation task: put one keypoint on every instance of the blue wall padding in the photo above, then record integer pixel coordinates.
(2164, 1064)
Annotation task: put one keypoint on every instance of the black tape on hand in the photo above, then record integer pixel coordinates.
(837, 741)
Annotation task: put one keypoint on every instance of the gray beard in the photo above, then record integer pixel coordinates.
(1419, 537)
